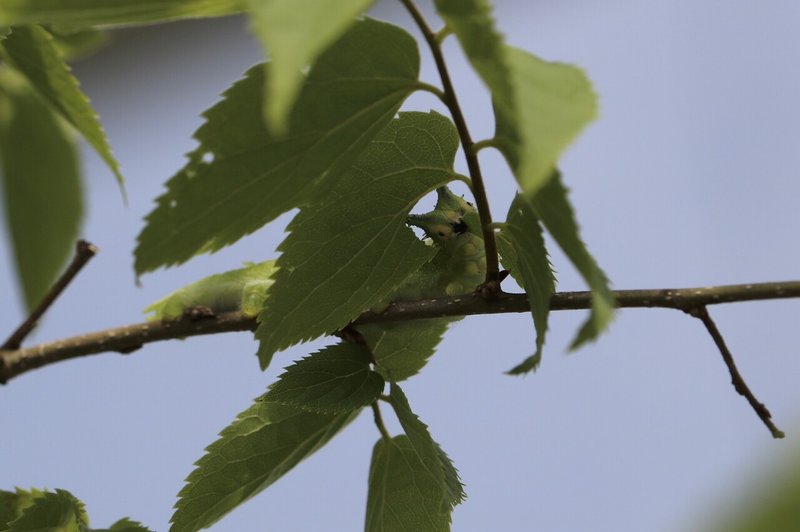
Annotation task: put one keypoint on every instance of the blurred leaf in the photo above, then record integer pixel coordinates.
(554, 102)
(335, 379)
(435, 460)
(552, 207)
(771, 503)
(81, 13)
(32, 51)
(351, 93)
(76, 43)
(242, 289)
(52, 512)
(4, 32)
(13, 503)
(263, 444)
(402, 349)
(351, 250)
(522, 247)
(403, 495)
(295, 33)
(39, 167)
(125, 525)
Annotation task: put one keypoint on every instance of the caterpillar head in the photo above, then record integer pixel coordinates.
(438, 225)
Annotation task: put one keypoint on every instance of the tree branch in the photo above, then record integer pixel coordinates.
(701, 313)
(131, 337)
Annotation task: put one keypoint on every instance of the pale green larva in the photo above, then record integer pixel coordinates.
(244, 289)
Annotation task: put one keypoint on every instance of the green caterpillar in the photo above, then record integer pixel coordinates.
(243, 289)
(458, 267)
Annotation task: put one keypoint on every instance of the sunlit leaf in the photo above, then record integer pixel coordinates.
(435, 460)
(39, 167)
(295, 33)
(552, 207)
(554, 102)
(32, 51)
(522, 247)
(263, 444)
(337, 378)
(57, 511)
(13, 503)
(349, 251)
(241, 177)
(403, 495)
(540, 106)
(81, 13)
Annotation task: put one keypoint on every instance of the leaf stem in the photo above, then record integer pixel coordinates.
(701, 313)
(485, 143)
(491, 286)
(433, 89)
(376, 412)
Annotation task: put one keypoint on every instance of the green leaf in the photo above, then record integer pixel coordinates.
(243, 289)
(352, 249)
(4, 32)
(32, 51)
(435, 460)
(241, 177)
(552, 207)
(554, 102)
(335, 379)
(403, 495)
(52, 512)
(263, 444)
(295, 33)
(76, 43)
(83, 13)
(522, 247)
(540, 106)
(13, 503)
(402, 349)
(39, 167)
(126, 525)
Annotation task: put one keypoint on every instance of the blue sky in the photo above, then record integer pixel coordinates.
(689, 178)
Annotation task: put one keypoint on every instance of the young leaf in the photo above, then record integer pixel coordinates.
(82, 13)
(522, 247)
(435, 460)
(39, 167)
(552, 207)
(401, 350)
(333, 380)
(52, 512)
(403, 495)
(241, 177)
(554, 102)
(32, 51)
(349, 251)
(244, 289)
(263, 444)
(295, 33)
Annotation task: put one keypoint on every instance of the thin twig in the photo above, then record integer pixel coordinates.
(129, 338)
(492, 285)
(376, 411)
(737, 380)
(84, 251)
